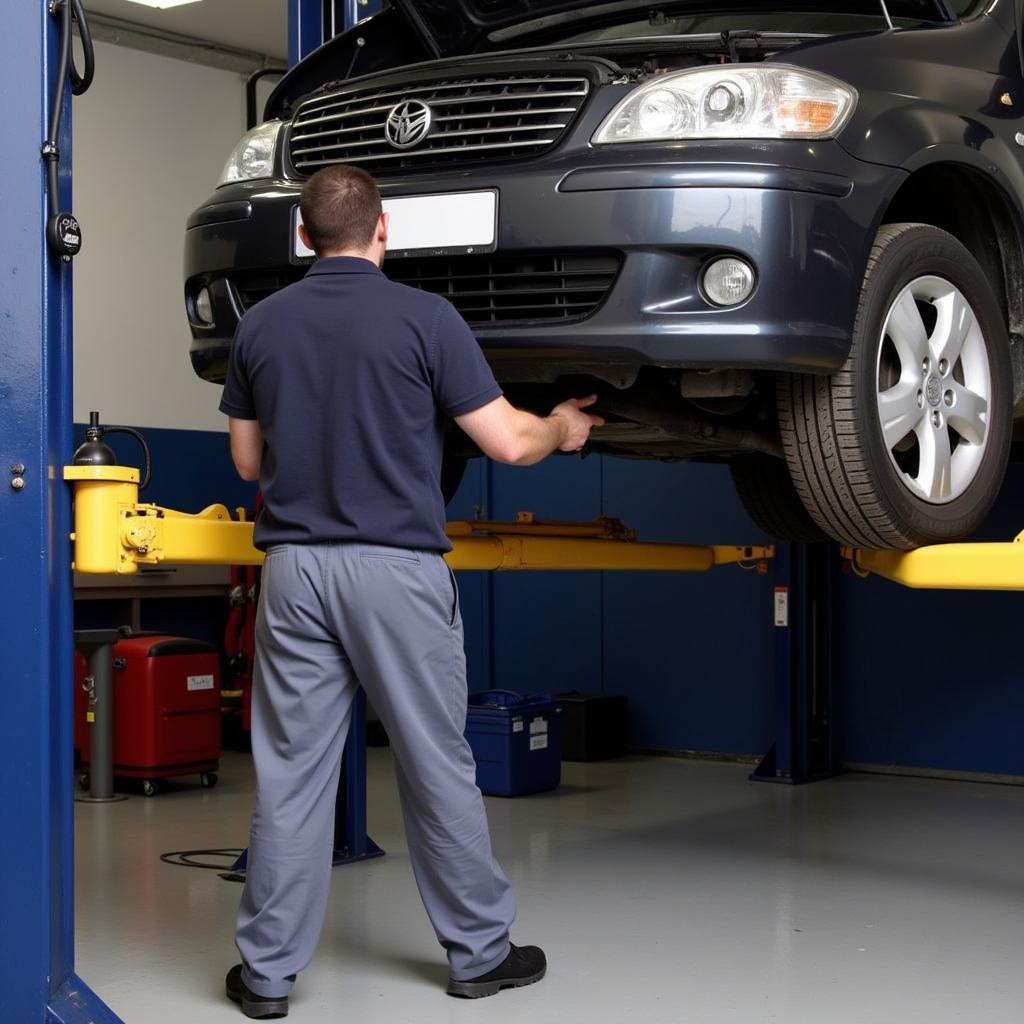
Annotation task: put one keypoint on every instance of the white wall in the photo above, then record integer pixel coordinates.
(150, 139)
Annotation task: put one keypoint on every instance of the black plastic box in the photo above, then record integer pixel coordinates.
(595, 726)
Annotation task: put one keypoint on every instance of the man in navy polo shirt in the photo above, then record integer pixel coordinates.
(338, 393)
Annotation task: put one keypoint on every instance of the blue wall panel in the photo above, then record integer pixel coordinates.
(692, 651)
(697, 677)
(547, 627)
(933, 679)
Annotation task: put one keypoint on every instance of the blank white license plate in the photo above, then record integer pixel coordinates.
(441, 225)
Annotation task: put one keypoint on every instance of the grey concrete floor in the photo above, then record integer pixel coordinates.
(663, 891)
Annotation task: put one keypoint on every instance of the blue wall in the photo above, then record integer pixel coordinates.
(933, 679)
(692, 652)
(920, 679)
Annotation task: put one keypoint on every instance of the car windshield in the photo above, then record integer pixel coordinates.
(658, 22)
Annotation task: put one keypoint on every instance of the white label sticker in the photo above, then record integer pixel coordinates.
(539, 742)
(517, 725)
(782, 606)
(538, 725)
(200, 682)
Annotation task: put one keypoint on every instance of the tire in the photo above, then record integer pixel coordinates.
(150, 787)
(84, 781)
(766, 490)
(872, 489)
(208, 780)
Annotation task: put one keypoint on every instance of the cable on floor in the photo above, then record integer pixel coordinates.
(187, 858)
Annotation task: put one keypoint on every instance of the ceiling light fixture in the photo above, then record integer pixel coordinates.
(162, 4)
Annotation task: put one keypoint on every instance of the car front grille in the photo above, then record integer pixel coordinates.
(507, 289)
(255, 287)
(488, 290)
(471, 119)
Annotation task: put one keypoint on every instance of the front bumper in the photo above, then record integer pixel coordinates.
(667, 210)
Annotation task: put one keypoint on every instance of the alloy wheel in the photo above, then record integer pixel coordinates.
(934, 389)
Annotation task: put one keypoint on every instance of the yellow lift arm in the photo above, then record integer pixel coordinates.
(115, 534)
(947, 566)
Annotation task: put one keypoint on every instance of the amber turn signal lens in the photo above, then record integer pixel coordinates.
(807, 116)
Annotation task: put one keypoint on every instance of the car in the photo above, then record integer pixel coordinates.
(784, 236)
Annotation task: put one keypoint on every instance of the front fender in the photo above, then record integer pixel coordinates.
(912, 138)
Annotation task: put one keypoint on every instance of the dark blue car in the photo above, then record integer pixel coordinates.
(786, 236)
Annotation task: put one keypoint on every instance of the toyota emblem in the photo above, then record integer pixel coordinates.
(408, 124)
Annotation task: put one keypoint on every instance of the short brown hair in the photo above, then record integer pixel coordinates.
(340, 208)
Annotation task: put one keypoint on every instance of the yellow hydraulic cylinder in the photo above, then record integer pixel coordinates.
(102, 495)
(605, 544)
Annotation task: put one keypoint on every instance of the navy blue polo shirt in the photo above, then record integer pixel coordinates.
(352, 379)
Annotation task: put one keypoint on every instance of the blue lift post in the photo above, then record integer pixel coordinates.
(37, 979)
(804, 579)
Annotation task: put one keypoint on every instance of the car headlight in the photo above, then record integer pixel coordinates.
(731, 102)
(253, 157)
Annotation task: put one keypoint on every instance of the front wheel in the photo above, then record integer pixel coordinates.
(766, 491)
(908, 443)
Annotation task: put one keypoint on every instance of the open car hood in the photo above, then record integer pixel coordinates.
(461, 26)
(412, 31)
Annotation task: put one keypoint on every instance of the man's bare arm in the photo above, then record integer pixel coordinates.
(507, 434)
(246, 447)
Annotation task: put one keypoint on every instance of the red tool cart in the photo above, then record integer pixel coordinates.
(166, 711)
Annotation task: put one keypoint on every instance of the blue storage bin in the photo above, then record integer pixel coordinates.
(516, 741)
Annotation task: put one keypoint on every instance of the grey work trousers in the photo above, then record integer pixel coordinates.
(333, 617)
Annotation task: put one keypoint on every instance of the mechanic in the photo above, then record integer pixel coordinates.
(339, 392)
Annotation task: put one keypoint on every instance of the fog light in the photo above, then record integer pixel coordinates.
(728, 281)
(204, 306)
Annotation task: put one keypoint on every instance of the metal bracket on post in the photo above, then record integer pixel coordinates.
(802, 751)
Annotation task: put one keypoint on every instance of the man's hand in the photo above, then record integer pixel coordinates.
(519, 438)
(578, 424)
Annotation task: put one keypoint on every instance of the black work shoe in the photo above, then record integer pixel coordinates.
(524, 965)
(257, 1007)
